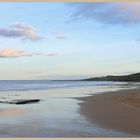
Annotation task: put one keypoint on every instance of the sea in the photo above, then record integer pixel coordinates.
(58, 112)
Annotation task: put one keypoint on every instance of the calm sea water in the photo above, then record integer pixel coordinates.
(29, 85)
(58, 114)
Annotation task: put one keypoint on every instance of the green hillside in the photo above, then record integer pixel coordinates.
(131, 77)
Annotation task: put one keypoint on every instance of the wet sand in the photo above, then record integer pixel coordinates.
(119, 110)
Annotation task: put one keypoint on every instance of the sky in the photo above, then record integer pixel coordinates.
(51, 40)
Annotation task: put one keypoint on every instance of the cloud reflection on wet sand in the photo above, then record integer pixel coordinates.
(12, 112)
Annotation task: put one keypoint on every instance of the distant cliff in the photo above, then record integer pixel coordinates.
(132, 77)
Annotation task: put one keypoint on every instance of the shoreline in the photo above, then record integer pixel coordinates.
(115, 110)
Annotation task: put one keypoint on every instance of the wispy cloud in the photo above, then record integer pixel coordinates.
(59, 35)
(51, 54)
(44, 54)
(14, 53)
(20, 30)
(138, 39)
(107, 13)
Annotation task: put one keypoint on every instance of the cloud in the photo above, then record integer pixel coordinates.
(138, 39)
(60, 35)
(44, 54)
(21, 31)
(52, 54)
(107, 13)
(13, 53)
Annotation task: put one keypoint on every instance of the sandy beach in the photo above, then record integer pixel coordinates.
(119, 110)
(55, 112)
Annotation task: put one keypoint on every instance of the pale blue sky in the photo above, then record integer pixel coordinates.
(68, 40)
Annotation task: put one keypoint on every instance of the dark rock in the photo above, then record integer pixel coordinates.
(22, 101)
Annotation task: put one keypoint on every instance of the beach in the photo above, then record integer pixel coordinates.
(118, 110)
(63, 108)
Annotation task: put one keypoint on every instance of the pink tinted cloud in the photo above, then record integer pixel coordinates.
(12, 53)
